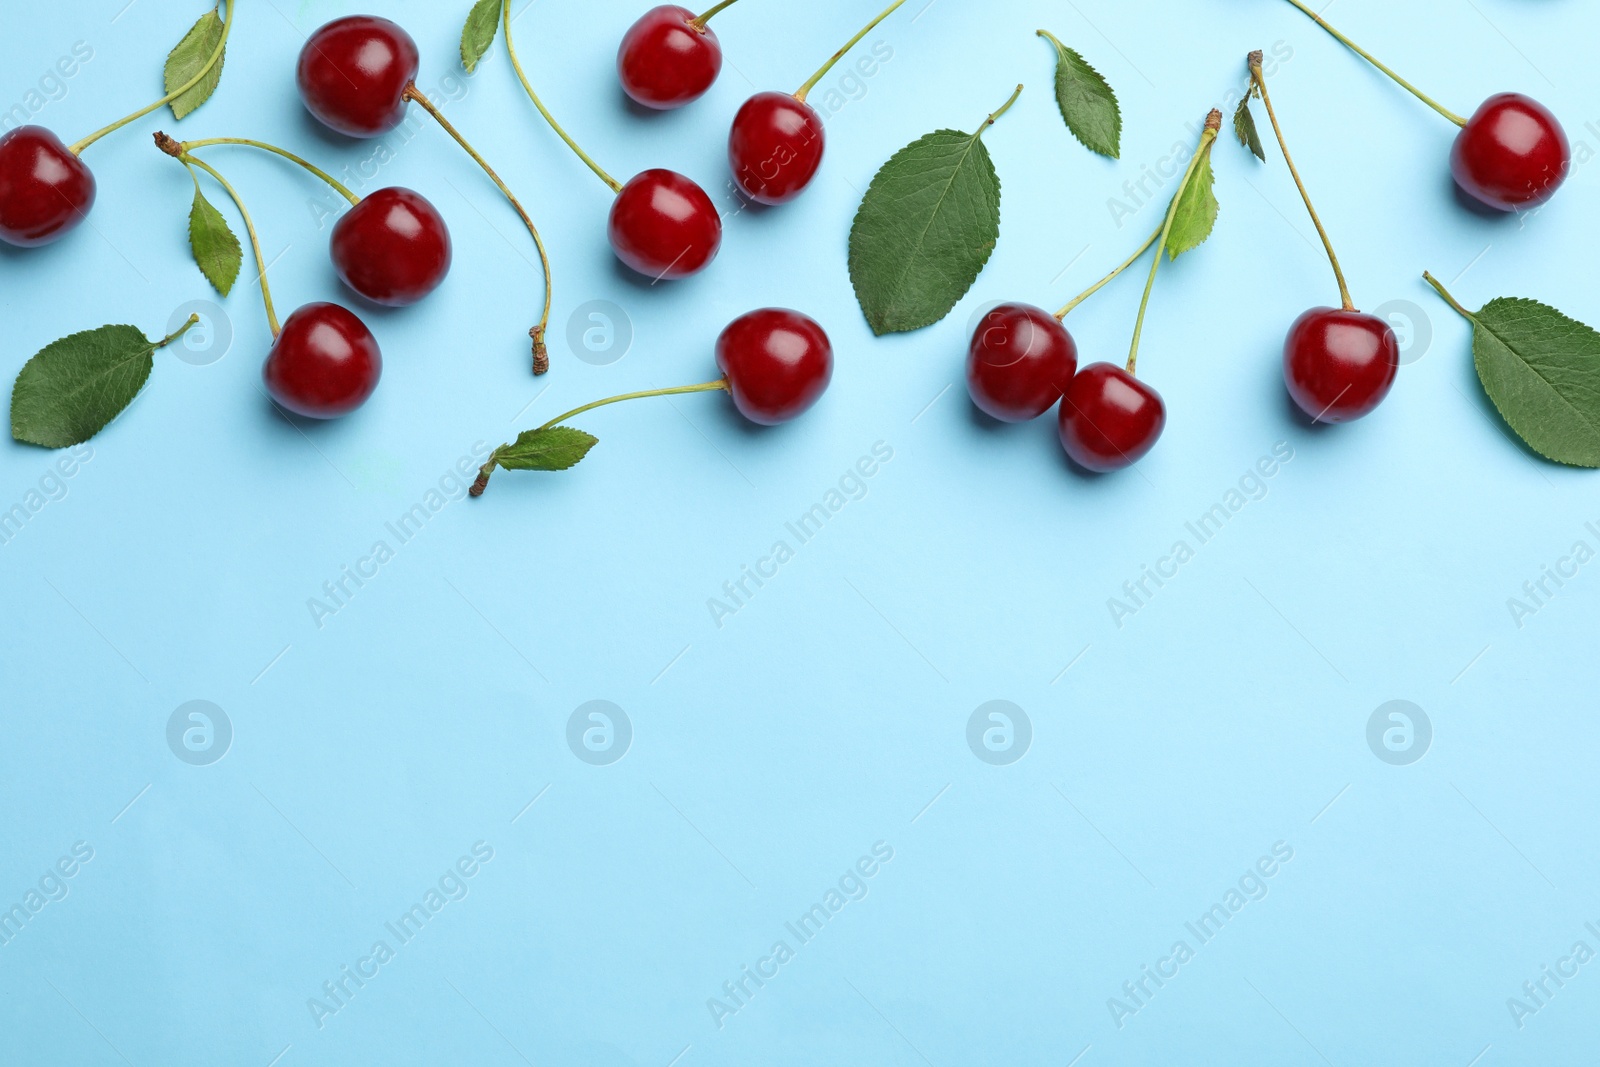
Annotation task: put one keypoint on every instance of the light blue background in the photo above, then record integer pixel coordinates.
(830, 713)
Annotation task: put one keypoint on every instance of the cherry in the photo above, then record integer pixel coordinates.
(1109, 419)
(45, 189)
(777, 364)
(1512, 153)
(664, 225)
(393, 247)
(1339, 365)
(354, 74)
(775, 147)
(324, 363)
(1019, 362)
(669, 58)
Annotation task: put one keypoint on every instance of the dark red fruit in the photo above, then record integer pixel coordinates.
(775, 147)
(1339, 365)
(777, 362)
(1512, 153)
(45, 190)
(1109, 418)
(1019, 363)
(393, 248)
(665, 226)
(325, 363)
(666, 61)
(354, 72)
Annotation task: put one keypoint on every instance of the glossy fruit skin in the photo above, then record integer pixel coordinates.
(1511, 154)
(775, 147)
(664, 226)
(777, 362)
(665, 62)
(45, 190)
(1019, 363)
(324, 364)
(393, 248)
(1110, 419)
(1339, 365)
(353, 74)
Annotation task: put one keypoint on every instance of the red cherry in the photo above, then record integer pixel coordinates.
(777, 362)
(666, 61)
(325, 363)
(1019, 362)
(1109, 418)
(665, 226)
(1512, 153)
(775, 147)
(393, 248)
(1339, 365)
(45, 190)
(354, 72)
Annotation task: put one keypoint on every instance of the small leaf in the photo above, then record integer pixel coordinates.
(1197, 210)
(216, 250)
(1088, 104)
(75, 386)
(1244, 127)
(1542, 370)
(925, 229)
(558, 448)
(483, 22)
(190, 58)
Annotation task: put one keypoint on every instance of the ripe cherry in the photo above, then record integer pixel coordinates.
(668, 58)
(664, 225)
(325, 363)
(1512, 153)
(1109, 419)
(777, 364)
(45, 190)
(354, 74)
(1339, 365)
(775, 147)
(1019, 363)
(393, 247)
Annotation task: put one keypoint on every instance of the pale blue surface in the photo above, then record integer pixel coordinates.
(831, 712)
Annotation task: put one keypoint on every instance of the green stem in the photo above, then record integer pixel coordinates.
(250, 227)
(338, 187)
(700, 23)
(541, 356)
(811, 83)
(1448, 299)
(1364, 54)
(1207, 138)
(995, 115)
(516, 64)
(171, 337)
(1103, 282)
(216, 57)
(1260, 82)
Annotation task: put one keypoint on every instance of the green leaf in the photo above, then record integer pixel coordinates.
(1088, 104)
(216, 249)
(483, 22)
(925, 229)
(190, 58)
(1542, 370)
(558, 448)
(75, 386)
(1244, 127)
(1197, 210)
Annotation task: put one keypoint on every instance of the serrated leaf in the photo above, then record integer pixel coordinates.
(483, 22)
(1088, 103)
(1244, 128)
(1542, 371)
(75, 386)
(1197, 210)
(925, 229)
(217, 251)
(558, 448)
(190, 58)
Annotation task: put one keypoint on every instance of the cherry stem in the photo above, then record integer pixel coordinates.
(1207, 137)
(338, 187)
(700, 23)
(800, 95)
(1260, 82)
(1103, 282)
(194, 320)
(1368, 56)
(541, 355)
(487, 470)
(1448, 299)
(516, 64)
(216, 57)
(250, 227)
(994, 116)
